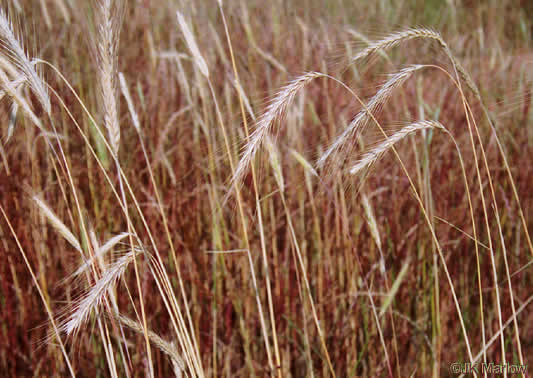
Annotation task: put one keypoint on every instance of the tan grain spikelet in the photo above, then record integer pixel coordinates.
(374, 231)
(396, 38)
(265, 123)
(191, 43)
(92, 300)
(414, 33)
(109, 21)
(373, 155)
(275, 162)
(165, 346)
(304, 163)
(16, 53)
(371, 219)
(100, 252)
(13, 93)
(57, 224)
(241, 92)
(127, 96)
(360, 121)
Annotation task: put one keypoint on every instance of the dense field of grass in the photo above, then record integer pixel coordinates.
(249, 188)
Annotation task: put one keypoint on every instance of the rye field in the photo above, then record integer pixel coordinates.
(231, 188)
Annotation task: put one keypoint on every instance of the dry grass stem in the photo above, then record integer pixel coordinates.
(325, 288)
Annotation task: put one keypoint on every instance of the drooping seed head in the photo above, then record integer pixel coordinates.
(191, 44)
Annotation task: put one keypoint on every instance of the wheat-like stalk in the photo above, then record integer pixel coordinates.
(275, 110)
(126, 93)
(275, 162)
(97, 294)
(304, 163)
(15, 84)
(165, 346)
(13, 93)
(57, 224)
(461, 73)
(109, 17)
(360, 121)
(99, 253)
(395, 38)
(373, 227)
(373, 155)
(191, 44)
(14, 51)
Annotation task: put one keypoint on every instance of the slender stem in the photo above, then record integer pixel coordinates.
(257, 202)
(41, 294)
